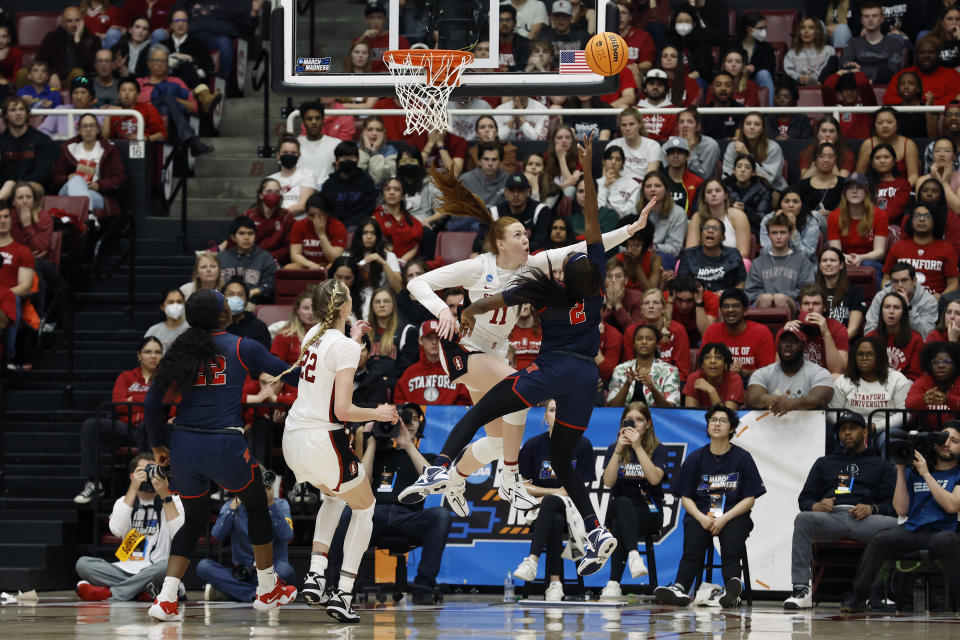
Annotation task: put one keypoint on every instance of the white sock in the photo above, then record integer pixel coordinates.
(318, 563)
(170, 592)
(266, 580)
(346, 583)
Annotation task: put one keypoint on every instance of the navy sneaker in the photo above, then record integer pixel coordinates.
(432, 480)
(600, 544)
(314, 590)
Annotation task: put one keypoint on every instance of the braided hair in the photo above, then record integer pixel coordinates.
(328, 299)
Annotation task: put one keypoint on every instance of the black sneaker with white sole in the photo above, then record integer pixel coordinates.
(340, 606)
(673, 594)
(314, 590)
(731, 593)
(90, 491)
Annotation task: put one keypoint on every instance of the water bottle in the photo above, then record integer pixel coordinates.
(919, 597)
(508, 588)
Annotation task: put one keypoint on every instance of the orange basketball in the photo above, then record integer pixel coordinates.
(607, 54)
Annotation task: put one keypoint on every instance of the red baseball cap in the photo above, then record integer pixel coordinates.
(801, 336)
(428, 327)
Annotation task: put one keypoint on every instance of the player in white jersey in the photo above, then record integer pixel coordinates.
(479, 360)
(317, 449)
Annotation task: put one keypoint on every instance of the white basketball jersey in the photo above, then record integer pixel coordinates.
(313, 408)
(492, 330)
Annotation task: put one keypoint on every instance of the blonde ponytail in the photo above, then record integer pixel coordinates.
(330, 296)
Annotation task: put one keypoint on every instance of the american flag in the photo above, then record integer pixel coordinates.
(573, 62)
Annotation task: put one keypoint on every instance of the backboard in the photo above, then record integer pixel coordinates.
(447, 24)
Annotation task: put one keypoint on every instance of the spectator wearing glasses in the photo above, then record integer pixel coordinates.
(719, 507)
(935, 260)
(89, 165)
(938, 389)
(191, 60)
(921, 304)
(714, 383)
(172, 98)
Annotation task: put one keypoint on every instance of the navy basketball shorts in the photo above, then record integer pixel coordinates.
(198, 458)
(568, 378)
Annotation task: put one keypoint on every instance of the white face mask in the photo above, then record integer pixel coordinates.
(683, 28)
(174, 311)
(236, 304)
(759, 35)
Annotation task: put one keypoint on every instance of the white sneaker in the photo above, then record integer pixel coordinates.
(802, 598)
(454, 495)
(527, 571)
(514, 491)
(554, 592)
(611, 591)
(635, 561)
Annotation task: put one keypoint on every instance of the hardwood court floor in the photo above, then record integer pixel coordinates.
(61, 616)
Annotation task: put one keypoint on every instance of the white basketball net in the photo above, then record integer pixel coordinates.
(424, 86)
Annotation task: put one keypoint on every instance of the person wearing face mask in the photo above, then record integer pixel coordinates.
(694, 43)
(173, 323)
(296, 183)
(760, 63)
(350, 189)
(243, 324)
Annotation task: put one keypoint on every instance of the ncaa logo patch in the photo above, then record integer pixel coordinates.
(489, 277)
(458, 363)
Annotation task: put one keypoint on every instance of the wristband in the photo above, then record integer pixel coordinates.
(698, 304)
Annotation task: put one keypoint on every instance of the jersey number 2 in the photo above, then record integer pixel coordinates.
(218, 366)
(499, 316)
(577, 315)
(307, 372)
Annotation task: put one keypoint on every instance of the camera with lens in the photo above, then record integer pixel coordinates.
(902, 444)
(269, 477)
(409, 413)
(153, 471)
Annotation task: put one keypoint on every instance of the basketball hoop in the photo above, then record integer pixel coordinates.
(424, 80)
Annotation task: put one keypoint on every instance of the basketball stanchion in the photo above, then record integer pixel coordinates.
(424, 80)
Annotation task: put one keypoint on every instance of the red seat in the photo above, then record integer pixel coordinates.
(865, 278)
(878, 92)
(779, 52)
(810, 97)
(270, 313)
(75, 208)
(454, 245)
(781, 24)
(55, 249)
(292, 282)
(772, 317)
(32, 27)
(732, 22)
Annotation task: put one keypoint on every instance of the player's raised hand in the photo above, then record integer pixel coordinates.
(467, 321)
(359, 328)
(644, 216)
(585, 155)
(447, 325)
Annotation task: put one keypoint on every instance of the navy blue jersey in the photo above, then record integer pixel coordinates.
(217, 404)
(630, 480)
(575, 328)
(719, 481)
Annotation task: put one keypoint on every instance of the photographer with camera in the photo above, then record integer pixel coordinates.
(145, 519)
(929, 497)
(392, 461)
(848, 495)
(239, 582)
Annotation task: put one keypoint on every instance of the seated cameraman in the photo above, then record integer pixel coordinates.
(930, 501)
(240, 581)
(847, 495)
(145, 519)
(392, 461)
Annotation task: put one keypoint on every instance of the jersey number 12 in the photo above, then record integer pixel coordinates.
(218, 365)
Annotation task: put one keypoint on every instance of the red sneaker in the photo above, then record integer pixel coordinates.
(92, 593)
(282, 594)
(165, 611)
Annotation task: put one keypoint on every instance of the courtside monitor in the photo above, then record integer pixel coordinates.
(466, 25)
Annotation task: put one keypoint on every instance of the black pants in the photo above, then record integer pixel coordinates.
(187, 72)
(733, 547)
(105, 433)
(427, 527)
(548, 531)
(628, 520)
(943, 545)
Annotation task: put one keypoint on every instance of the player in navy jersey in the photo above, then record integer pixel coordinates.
(208, 367)
(565, 368)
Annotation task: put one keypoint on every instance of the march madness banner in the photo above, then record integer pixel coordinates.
(495, 538)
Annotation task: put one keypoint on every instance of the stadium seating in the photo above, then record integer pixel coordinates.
(781, 24)
(291, 282)
(31, 28)
(270, 313)
(454, 245)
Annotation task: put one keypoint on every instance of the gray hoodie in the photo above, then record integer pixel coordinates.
(779, 274)
(257, 269)
(669, 233)
(923, 311)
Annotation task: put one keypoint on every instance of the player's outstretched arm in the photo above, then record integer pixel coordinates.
(591, 227)
(468, 317)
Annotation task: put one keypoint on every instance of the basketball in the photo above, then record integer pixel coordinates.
(607, 54)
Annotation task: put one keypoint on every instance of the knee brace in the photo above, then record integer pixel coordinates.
(357, 539)
(487, 449)
(517, 418)
(328, 518)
